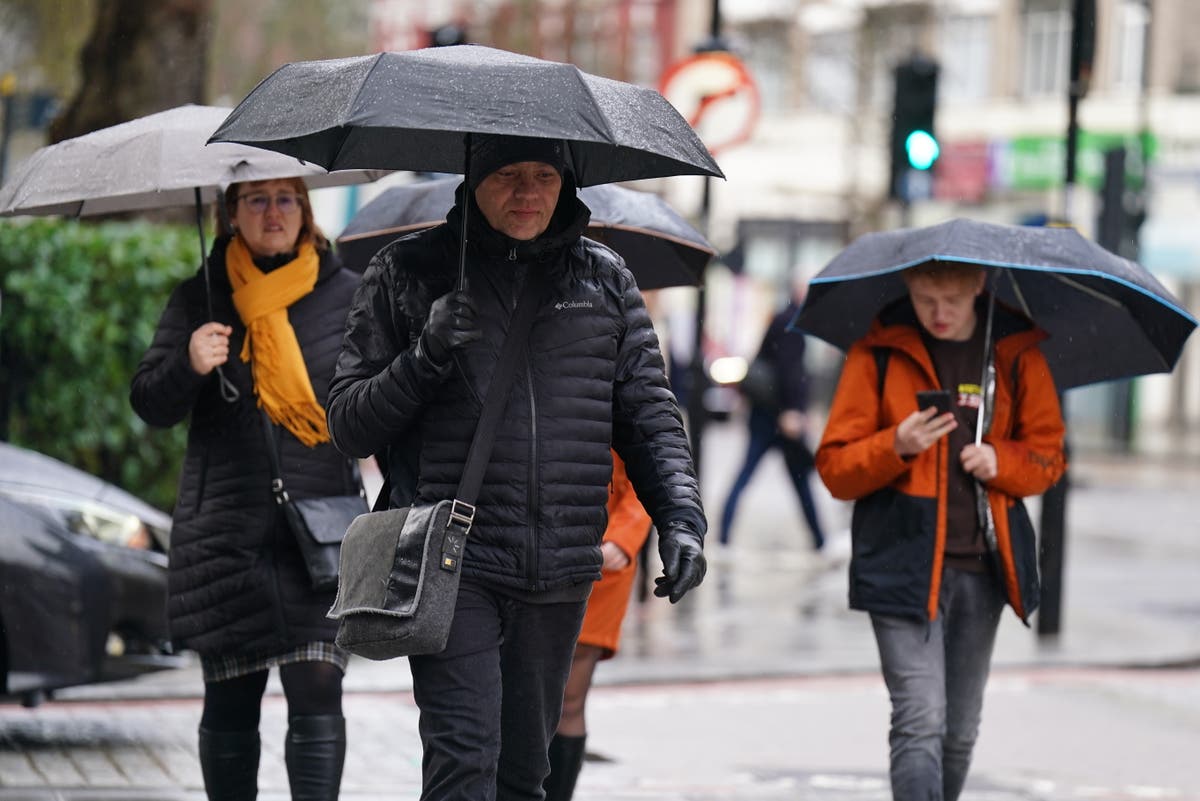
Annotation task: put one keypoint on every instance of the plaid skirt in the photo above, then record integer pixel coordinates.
(222, 668)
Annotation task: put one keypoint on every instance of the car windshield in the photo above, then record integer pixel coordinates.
(91, 519)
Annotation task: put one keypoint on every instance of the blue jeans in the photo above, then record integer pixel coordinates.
(764, 435)
(936, 673)
(491, 701)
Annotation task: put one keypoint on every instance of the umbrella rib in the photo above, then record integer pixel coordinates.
(395, 229)
(1016, 288)
(608, 133)
(1071, 282)
(634, 229)
(341, 144)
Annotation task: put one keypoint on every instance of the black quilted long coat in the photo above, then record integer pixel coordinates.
(237, 582)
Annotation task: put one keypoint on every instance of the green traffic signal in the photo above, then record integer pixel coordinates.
(922, 149)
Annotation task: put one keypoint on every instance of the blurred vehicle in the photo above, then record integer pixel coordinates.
(83, 579)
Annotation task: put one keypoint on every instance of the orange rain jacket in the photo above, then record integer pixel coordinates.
(628, 527)
(898, 529)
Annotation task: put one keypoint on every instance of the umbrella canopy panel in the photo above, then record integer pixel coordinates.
(411, 110)
(1107, 317)
(657, 243)
(153, 162)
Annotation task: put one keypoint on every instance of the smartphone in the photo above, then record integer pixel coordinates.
(938, 398)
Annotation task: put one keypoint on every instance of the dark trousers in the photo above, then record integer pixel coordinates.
(764, 435)
(936, 674)
(490, 702)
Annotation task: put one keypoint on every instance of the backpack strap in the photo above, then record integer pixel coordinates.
(881, 364)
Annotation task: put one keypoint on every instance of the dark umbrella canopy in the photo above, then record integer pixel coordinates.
(1107, 317)
(411, 110)
(657, 243)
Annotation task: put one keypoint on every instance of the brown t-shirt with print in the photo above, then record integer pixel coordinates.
(959, 368)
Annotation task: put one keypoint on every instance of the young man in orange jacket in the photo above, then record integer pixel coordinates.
(922, 562)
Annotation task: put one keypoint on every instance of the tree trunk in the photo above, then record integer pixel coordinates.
(143, 56)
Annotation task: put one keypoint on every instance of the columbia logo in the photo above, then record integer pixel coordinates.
(572, 304)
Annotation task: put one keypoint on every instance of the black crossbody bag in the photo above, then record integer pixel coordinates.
(400, 568)
(319, 524)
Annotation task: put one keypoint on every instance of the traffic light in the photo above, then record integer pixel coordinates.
(447, 36)
(914, 143)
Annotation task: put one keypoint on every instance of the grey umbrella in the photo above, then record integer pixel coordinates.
(153, 162)
(657, 243)
(1107, 317)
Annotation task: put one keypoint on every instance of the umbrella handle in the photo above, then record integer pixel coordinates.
(987, 383)
(466, 206)
(229, 392)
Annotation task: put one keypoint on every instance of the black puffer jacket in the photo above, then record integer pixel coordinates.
(593, 375)
(237, 582)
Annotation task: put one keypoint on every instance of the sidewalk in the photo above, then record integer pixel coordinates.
(769, 607)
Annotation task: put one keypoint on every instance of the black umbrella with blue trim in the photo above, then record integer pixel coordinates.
(1107, 318)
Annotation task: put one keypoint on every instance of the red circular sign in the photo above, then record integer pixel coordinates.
(716, 94)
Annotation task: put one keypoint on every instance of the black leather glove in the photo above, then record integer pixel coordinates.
(451, 325)
(681, 550)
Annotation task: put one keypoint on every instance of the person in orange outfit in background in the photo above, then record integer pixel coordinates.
(628, 528)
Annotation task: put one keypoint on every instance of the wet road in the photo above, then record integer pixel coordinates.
(1050, 734)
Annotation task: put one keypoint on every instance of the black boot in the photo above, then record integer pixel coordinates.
(229, 764)
(315, 750)
(566, 760)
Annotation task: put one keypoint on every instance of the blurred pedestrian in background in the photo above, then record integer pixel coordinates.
(417, 357)
(240, 594)
(932, 568)
(776, 386)
(600, 637)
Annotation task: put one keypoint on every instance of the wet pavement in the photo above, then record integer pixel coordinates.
(761, 684)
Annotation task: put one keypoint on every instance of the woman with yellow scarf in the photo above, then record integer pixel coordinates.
(269, 322)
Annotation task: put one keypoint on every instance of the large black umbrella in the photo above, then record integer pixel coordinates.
(1107, 318)
(657, 243)
(411, 110)
(417, 110)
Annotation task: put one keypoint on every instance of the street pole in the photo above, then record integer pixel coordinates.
(697, 414)
(1054, 501)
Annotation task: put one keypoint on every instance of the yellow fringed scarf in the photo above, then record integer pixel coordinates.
(280, 377)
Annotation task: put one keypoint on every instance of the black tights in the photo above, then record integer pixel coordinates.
(311, 688)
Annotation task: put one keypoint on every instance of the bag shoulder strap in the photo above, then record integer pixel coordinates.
(277, 488)
(497, 397)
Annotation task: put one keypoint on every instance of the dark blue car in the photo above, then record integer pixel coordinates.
(83, 579)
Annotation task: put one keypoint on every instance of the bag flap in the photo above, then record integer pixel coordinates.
(380, 570)
(329, 518)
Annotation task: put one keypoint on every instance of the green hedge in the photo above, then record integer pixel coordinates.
(79, 303)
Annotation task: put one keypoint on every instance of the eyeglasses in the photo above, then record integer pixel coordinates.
(257, 202)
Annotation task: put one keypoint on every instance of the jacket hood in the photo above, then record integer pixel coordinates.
(567, 224)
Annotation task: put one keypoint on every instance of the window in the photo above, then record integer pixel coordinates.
(769, 61)
(966, 57)
(1131, 21)
(1046, 50)
(830, 72)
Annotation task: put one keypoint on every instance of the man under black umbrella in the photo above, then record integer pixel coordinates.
(416, 358)
(932, 567)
